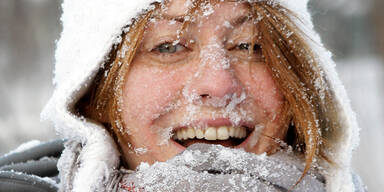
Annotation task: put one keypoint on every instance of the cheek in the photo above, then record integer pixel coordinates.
(147, 92)
(262, 88)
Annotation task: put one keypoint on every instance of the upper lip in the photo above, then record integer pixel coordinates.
(217, 122)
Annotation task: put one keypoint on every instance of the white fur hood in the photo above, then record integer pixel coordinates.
(90, 29)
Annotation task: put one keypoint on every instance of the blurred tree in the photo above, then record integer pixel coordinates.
(27, 41)
(377, 16)
(344, 26)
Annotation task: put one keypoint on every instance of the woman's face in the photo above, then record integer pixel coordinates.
(202, 85)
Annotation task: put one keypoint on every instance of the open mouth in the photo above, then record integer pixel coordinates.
(227, 136)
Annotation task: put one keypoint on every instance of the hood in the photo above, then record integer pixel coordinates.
(90, 29)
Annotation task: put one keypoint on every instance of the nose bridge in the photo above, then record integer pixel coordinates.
(213, 56)
(214, 77)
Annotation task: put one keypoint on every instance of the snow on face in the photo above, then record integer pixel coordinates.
(202, 78)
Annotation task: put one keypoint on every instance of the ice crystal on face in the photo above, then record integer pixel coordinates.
(141, 150)
(188, 3)
(172, 22)
(190, 95)
(191, 113)
(234, 116)
(207, 9)
(227, 24)
(255, 136)
(176, 41)
(165, 134)
(121, 128)
(227, 106)
(214, 54)
(219, 102)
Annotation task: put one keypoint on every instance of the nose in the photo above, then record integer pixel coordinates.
(215, 77)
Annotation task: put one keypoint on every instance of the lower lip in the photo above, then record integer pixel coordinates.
(179, 147)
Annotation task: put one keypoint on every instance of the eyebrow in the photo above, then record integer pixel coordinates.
(240, 20)
(181, 18)
(178, 18)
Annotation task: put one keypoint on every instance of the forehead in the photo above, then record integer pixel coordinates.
(179, 8)
(176, 7)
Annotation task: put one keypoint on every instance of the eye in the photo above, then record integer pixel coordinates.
(257, 48)
(247, 51)
(245, 46)
(169, 48)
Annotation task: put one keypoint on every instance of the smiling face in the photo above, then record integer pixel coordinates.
(208, 83)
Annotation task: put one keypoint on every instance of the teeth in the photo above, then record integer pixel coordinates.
(222, 133)
(191, 133)
(179, 134)
(211, 133)
(237, 133)
(199, 134)
(185, 134)
(231, 131)
(243, 133)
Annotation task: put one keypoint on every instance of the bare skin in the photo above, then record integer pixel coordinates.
(206, 78)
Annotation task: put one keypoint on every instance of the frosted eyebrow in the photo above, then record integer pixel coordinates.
(235, 22)
(240, 20)
(178, 18)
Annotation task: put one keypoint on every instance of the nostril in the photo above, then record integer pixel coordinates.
(205, 96)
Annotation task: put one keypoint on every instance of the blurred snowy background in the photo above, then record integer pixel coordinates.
(352, 29)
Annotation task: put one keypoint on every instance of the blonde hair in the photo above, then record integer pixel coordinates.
(287, 53)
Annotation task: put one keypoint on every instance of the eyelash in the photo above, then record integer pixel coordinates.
(174, 48)
(245, 47)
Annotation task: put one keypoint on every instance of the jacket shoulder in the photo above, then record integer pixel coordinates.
(33, 169)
